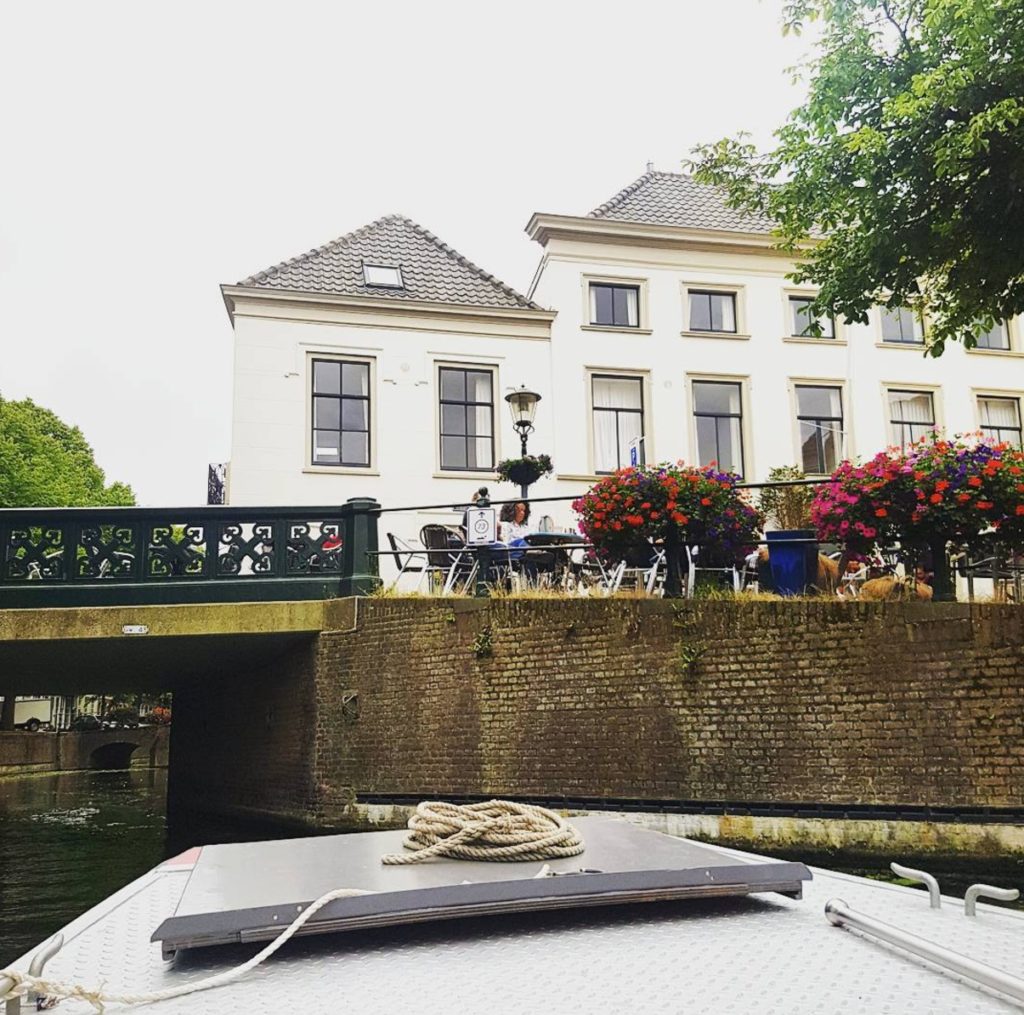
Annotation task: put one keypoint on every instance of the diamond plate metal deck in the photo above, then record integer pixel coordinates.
(765, 954)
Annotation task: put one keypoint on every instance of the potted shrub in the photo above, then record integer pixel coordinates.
(792, 550)
(936, 492)
(673, 504)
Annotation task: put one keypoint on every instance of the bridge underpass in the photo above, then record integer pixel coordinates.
(148, 649)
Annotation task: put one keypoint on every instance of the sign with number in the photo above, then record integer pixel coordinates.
(481, 526)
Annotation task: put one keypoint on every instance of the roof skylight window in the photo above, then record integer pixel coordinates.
(387, 275)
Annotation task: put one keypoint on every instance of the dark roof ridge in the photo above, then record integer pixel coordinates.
(276, 269)
(422, 231)
(468, 264)
(618, 198)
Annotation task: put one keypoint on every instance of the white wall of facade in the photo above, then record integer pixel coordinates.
(277, 337)
(764, 359)
(275, 346)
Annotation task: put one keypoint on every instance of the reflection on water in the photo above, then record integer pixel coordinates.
(70, 839)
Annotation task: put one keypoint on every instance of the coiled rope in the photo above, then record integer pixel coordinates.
(495, 830)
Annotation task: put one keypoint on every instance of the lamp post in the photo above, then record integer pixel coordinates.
(523, 404)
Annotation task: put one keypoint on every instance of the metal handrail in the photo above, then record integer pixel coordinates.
(988, 892)
(35, 968)
(922, 877)
(840, 914)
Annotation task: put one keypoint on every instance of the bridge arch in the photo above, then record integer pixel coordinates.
(117, 754)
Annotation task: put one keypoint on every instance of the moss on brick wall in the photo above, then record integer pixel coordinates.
(888, 703)
(900, 704)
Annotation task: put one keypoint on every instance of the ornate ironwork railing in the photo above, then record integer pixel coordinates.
(106, 556)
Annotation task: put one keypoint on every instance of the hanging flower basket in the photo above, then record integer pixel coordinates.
(524, 471)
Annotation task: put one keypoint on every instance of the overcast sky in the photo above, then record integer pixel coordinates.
(152, 152)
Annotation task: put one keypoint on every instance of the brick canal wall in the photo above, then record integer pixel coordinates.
(22, 753)
(891, 704)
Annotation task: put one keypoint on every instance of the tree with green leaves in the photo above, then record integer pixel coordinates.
(900, 180)
(46, 463)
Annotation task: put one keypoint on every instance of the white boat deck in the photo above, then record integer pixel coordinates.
(765, 954)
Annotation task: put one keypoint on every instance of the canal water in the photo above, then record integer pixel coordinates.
(69, 839)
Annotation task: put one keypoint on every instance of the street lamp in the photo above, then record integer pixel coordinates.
(523, 404)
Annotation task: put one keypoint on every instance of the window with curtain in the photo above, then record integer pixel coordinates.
(802, 321)
(467, 418)
(341, 413)
(616, 306)
(1000, 418)
(819, 413)
(718, 418)
(618, 420)
(712, 311)
(997, 337)
(901, 326)
(911, 415)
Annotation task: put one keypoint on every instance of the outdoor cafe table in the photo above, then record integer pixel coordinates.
(561, 544)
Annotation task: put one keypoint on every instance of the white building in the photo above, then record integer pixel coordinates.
(377, 365)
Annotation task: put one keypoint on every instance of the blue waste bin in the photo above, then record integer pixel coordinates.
(793, 559)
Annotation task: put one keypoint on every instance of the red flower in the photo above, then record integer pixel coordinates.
(963, 498)
(974, 481)
(936, 498)
(1020, 509)
(941, 485)
(881, 513)
(706, 501)
(983, 505)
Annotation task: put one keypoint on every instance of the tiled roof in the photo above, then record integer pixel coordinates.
(431, 270)
(674, 199)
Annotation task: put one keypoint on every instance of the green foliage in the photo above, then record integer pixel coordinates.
(46, 463)
(524, 471)
(907, 159)
(483, 643)
(787, 507)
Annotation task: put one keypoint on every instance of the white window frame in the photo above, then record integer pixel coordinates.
(935, 390)
(880, 333)
(617, 373)
(846, 449)
(746, 433)
(838, 328)
(736, 290)
(643, 326)
(370, 266)
(1013, 335)
(457, 364)
(1005, 395)
(313, 354)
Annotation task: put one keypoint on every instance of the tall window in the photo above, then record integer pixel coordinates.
(341, 413)
(996, 337)
(718, 415)
(617, 306)
(802, 321)
(467, 418)
(819, 413)
(711, 311)
(901, 326)
(911, 415)
(618, 420)
(1000, 418)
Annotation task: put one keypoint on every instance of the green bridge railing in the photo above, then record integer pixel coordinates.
(108, 556)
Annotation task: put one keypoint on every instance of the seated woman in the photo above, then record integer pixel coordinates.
(514, 520)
